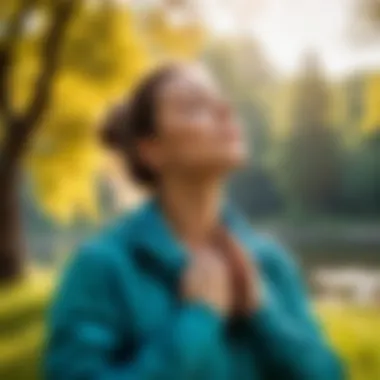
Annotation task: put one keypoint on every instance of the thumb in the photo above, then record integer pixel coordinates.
(241, 270)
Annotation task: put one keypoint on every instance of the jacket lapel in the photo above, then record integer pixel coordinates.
(240, 228)
(158, 250)
(156, 247)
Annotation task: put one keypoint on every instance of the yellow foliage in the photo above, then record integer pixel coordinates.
(371, 100)
(37, 285)
(22, 320)
(8, 9)
(355, 333)
(103, 56)
(166, 38)
(281, 106)
(105, 47)
(65, 158)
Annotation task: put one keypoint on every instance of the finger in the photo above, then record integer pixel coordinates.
(190, 282)
(242, 273)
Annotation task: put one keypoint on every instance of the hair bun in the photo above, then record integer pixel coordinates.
(112, 131)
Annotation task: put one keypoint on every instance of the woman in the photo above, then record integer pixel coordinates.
(183, 288)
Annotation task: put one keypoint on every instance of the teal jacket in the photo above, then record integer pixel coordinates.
(117, 314)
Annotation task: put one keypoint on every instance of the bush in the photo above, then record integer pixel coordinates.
(22, 308)
(355, 333)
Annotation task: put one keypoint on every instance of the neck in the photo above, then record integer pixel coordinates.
(193, 208)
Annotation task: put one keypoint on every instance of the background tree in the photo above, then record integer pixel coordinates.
(19, 126)
(247, 79)
(361, 184)
(62, 63)
(312, 153)
(364, 27)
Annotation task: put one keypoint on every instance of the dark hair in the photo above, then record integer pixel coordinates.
(132, 120)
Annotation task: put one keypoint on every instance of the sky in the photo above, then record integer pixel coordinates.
(287, 29)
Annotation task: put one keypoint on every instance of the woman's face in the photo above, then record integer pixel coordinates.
(198, 134)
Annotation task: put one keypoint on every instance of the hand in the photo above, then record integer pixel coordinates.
(245, 278)
(208, 280)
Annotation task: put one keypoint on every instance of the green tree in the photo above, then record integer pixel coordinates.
(361, 180)
(312, 168)
(246, 77)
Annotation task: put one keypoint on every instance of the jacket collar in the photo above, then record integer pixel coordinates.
(156, 245)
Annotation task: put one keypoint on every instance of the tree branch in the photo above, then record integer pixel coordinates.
(11, 34)
(62, 14)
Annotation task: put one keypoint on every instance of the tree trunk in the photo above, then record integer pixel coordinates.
(11, 240)
(19, 128)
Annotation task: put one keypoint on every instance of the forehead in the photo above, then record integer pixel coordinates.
(188, 81)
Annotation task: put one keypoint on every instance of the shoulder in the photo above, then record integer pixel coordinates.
(104, 251)
(92, 275)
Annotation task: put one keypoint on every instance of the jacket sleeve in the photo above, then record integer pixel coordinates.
(288, 333)
(84, 332)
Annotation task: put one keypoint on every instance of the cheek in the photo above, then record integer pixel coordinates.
(199, 129)
(192, 137)
(230, 154)
(200, 144)
(201, 151)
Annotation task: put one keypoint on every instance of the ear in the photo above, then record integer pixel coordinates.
(150, 153)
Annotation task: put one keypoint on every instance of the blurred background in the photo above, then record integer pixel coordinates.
(305, 78)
